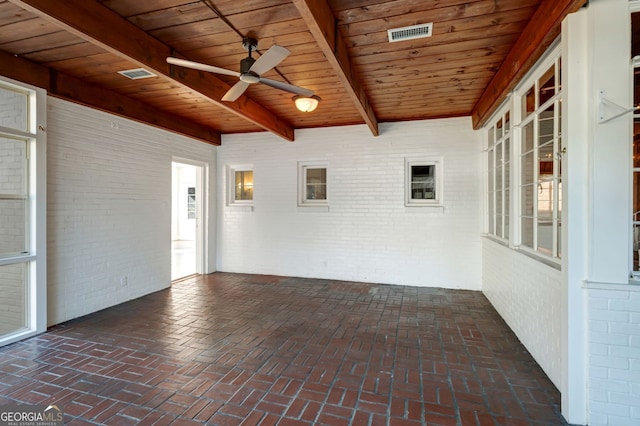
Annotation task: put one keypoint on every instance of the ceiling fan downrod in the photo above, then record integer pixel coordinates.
(246, 74)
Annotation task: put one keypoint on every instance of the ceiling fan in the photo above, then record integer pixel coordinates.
(250, 70)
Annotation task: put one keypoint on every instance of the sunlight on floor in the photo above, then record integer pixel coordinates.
(183, 258)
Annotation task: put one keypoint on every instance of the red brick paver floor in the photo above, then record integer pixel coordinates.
(231, 349)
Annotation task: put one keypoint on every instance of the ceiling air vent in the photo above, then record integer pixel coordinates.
(409, 33)
(137, 73)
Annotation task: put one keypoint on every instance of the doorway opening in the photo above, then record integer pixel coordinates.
(186, 219)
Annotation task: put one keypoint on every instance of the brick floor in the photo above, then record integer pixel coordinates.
(235, 349)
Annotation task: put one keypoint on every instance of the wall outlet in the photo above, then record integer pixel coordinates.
(123, 281)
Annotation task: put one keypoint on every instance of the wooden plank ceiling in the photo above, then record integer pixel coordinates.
(339, 49)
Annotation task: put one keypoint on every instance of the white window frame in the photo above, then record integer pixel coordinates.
(634, 238)
(303, 200)
(553, 57)
(231, 179)
(513, 104)
(35, 257)
(438, 163)
(506, 182)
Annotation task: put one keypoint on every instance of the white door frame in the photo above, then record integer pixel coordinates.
(202, 231)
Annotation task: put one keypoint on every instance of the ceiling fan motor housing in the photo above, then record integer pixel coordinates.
(246, 64)
(246, 75)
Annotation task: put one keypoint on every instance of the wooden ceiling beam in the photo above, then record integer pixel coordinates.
(323, 26)
(99, 25)
(540, 32)
(72, 89)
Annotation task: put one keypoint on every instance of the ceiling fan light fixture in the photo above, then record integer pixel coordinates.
(306, 103)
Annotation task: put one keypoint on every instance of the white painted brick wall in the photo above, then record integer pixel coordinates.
(368, 234)
(614, 355)
(527, 294)
(109, 208)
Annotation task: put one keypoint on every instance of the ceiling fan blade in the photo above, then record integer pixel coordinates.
(201, 67)
(287, 87)
(270, 59)
(235, 92)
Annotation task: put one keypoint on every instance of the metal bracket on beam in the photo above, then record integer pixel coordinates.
(604, 102)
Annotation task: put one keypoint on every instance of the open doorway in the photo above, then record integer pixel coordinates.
(186, 216)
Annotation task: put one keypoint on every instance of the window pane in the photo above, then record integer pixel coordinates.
(316, 175)
(507, 122)
(492, 229)
(547, 84)
(636, 246)
(506, 175)
(559, 197)
(527, 138)
(635, 37)
(499, 213)
(498, 178)
(636, 196)
(13, 167)
(13, 235)
(316, 184)
(545, 199)
(244, 185)
(13, 109)
(560, 239)
(13, 298)
(507, 150)
(316, 192)
(636, 82)
(491, 194)
(490, 162)
(545, 161)
(423, 182)
(545, 126)
(507, 200)
(559, 74)
(527, 200)
(527, 169)
(527, 232)
(559, 118)
(545, 236)
(499, 129)
(528, 102)
(636, 140)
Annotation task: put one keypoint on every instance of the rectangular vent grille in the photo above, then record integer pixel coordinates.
(137, 73)
(409, 33)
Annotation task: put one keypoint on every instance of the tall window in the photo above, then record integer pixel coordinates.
(524, 164)
(540, 163)
(22, 219)
(498, 176)
(635, 212)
